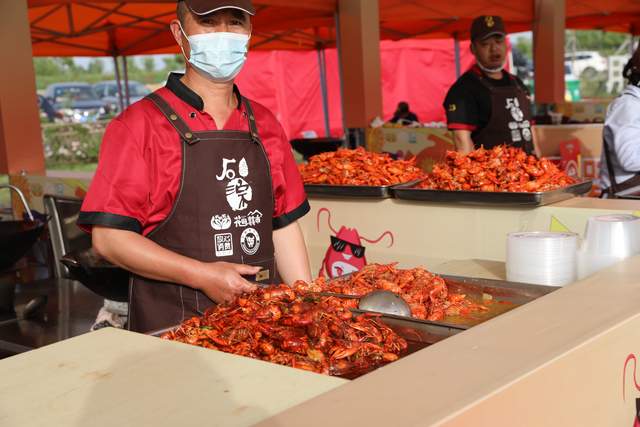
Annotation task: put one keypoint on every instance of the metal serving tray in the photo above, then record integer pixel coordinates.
(359, 191)
(418, 335)
(497, 295)
(408, 192)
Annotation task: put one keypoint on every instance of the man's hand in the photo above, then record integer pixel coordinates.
(463, 141)
(223, 281)
(220, 281)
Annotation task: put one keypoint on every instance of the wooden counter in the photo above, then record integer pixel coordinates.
(117, 378)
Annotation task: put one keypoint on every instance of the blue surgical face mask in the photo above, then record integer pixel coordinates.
(219, 56)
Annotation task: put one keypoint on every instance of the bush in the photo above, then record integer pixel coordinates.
(72, 143)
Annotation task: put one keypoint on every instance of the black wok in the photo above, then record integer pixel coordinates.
(100, 276)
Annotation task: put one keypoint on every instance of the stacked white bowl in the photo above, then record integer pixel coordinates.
(544, 258)
(608, 239)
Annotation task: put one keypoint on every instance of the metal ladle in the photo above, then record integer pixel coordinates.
(385, 302)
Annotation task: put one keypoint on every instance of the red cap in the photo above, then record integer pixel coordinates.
(204, 7)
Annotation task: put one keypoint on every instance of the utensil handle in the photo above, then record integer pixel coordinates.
(22, 199)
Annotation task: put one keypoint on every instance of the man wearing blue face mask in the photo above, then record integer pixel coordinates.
(196, 191)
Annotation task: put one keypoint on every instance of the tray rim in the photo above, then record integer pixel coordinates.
(406, 192)
(355, 191)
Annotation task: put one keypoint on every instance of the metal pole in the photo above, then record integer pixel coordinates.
(339, 50)
(125, 68)
(456, 50)
(322, 65)
(118, 82)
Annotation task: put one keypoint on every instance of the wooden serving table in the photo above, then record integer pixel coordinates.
(565, 359)
(113, 377)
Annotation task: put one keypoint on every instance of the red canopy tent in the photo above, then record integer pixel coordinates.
(111, 28)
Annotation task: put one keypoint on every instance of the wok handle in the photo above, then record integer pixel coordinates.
(22, 199)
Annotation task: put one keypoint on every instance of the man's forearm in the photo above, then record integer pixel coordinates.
(143, 257)
(463, 141)
(291, 254)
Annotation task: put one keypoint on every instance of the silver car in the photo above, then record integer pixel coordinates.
(108, 92)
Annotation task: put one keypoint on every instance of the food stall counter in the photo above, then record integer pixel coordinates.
(112, 377)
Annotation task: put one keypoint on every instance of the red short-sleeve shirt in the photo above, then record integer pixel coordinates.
(140, 163)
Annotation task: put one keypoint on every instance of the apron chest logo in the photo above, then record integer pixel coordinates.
(221, 222)
(223, 244)
(238, 191)
(252, 219)
(250, 241)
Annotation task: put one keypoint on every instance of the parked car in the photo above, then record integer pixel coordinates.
(76, 101)
(108, 92)
(588, 62)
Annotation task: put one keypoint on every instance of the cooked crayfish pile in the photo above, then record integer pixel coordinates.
(287, 327)
(426, 293)
(358, 167)
(502, 169)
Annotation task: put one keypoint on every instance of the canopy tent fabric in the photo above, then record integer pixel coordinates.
(112, 28)
(416, 71)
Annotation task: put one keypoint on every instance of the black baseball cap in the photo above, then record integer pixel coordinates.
(486, 26)
(204, 7)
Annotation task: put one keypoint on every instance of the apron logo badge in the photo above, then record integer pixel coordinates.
(250, 241)
(513, 105)
(223, 244)
(252, 219)
(238, 191)
(221, 222)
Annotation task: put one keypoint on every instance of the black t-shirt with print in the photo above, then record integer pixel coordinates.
(468, 102)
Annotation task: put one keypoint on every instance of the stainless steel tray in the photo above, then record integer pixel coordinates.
(321, 190)
(497, 295)
(418, 335)
(407, 192)
(359, 191)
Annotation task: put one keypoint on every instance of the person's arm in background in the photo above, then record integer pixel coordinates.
(536, 145)
(462, 116)
(220, 281)
(463, 141)
(291, 254)
(624, 124)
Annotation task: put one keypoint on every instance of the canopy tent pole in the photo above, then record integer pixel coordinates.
(322, 65)
(125, 69)
(339, 52)
(118, 82)
(456, 50)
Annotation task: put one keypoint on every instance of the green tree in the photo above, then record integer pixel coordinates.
(524, 47)
(173, 63)
(96, 66)
(47, 67)
(148, 64)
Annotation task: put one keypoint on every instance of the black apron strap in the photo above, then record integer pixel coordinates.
(613, 186)
(253, 128)
(180, 126)
(615, 189)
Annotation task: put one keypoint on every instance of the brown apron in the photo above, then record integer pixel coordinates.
(223, 212)
(510, 121)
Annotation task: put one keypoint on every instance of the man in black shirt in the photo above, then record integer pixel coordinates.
(488, 106)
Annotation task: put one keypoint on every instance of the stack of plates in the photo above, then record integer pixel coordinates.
(608, 239)
(542, 258)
